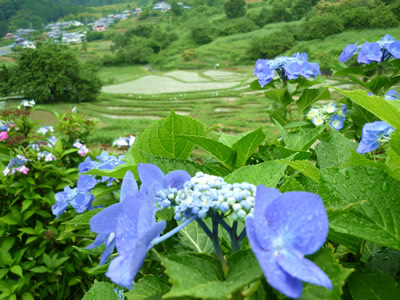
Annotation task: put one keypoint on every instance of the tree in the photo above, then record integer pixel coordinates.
(234, 8)
(49, 73)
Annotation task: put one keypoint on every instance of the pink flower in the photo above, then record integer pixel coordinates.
(83, 150)
(23, 169)
(3, 135)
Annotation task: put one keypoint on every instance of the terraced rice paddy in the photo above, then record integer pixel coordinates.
(229, 110)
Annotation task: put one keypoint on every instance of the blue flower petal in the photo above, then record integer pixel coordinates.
(300, 219)
(294, 263)
(275, 275)
(151, 176)
(129, 187)
(106, 220)
(176, 179)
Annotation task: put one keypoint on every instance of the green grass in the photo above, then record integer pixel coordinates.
(112, 75)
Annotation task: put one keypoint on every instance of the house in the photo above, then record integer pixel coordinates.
(137, 11)
(99, 27)
(10, 36)
(73, 37)
(162, 6)
(24, 32)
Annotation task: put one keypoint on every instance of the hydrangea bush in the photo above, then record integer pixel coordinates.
(313, 214)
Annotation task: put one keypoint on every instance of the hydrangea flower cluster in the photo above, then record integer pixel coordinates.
(4, 127)
(82, 149)
(373, 134)
(27, 103)
(282, 229)
(17, 165)
(287, 68)
(379, 51)
(46, 156)
(104, 161)
(3, 135)
(319, 116)
(45, 129)
(124, 142)
(79, 198)
(204, 192)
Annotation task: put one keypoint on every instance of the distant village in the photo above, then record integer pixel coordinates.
(58, 31)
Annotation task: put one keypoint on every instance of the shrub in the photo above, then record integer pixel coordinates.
(239, 25)
(201, 34)
(38, 258)
(94, 36)
(319, 27)
(271, 45)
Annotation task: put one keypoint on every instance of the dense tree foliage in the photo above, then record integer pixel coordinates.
(50, 73)
(234, 8)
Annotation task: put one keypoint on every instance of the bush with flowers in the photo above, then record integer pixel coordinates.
(38, 258)
(313, 214)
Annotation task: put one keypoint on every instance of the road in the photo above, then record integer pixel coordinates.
(5, 50)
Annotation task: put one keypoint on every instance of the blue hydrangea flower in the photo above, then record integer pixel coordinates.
(79, 200)
(135, 230)
(369, 53)
(263, 72)
(394, 49)
(392, 95)
(336, 122)
(86, 183)
(286, 67)
(348, 52)
(154, 180)
(45, 129)
(284, 228)
(372, 134)
(105, 222)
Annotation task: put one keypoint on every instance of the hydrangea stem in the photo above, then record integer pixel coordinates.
(173, 231)
(215, 241)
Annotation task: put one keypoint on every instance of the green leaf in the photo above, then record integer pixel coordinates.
(3, 272)
(59, 146)
(268, 173)
(334, 149)
(274, 152)
(195, 239)
(117, 172)
(12, 218)
(201, 276)
(26, 204)
(170, 164)
(40, 269)
(395, 141)
(146, 288)
(101, 291)
(281, 96)
(7, 243)
(326, 260)
(228, 140)
(393, 164)
(386, 260)
(380, 107)
(17, 270)
(5, 257)
(247, 145)
(301, 139)
(28, 230)
(160, 138)
(347, 71)
(375, 220)
(27, 296)
(372, 284)
(310, 96)
(356, 159)
(303, 166)
(82, 220)
(222, 153)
